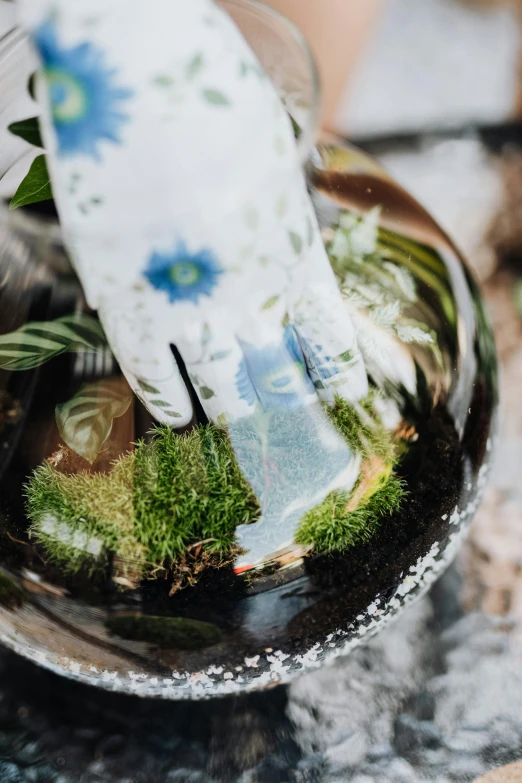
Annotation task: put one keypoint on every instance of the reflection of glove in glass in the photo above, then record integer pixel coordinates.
(178, 185)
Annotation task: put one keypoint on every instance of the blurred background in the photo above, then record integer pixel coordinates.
(433, 88)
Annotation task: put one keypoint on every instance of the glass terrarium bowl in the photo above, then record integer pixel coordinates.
(152, 561)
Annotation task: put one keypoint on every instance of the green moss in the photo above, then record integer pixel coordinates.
(345, 519)
(173, 504)
(79, 518)
(170, 633)
(11, 594)
(362, 428)
(330, 528)
(189, 488)
(156, 502)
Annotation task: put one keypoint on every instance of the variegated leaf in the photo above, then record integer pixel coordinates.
(85, 422)
(40, 341)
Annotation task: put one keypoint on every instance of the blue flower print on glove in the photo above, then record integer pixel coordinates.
(84, 101)
(317, 362)
(184, 275)
(274, 374)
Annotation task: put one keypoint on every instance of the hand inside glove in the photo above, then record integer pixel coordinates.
(177, 181)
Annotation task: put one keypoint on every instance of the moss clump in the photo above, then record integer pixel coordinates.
(334, 527)
(79, 518)
(11, 594)
(187, 489)
(362, 428)
(169, 495)
(170, 633)
(172, 506)
(345, 519)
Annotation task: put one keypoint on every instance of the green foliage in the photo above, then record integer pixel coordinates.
(330, 528)
(377, 271)
(28, 130)
(166, 632)
(85, 421)
(35, 187)
(362, 429)
(38, 342)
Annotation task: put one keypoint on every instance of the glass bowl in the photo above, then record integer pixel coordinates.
(139, 559)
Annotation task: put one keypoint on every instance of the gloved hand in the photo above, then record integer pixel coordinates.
(180, 194)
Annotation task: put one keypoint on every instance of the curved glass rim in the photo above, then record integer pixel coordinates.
(265, 13)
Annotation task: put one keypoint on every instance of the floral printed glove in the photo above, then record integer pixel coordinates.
(177, 180)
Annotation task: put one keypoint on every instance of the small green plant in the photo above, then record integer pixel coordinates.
(345, 519)
(335, 526)
(377, 272)
(36, 185)
(362, 428)
(37, 342)
(85, 421)
(189, 489)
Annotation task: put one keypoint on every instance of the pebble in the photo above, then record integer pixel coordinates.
(272, 770)
(44, 773)
(29, 754)
(466, 741)
(186, 776)
(505, 741)
(465, 768)
(112, 745)
(422, 705)
(380, 753)
(310, 768)
(399, 771)
(11, 773)
(97, 767)
(347, 753)
(412, 734)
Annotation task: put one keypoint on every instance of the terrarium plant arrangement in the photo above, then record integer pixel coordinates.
(235, 394)
(170, 506)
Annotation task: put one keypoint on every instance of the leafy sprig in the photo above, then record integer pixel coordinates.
(36, 185)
